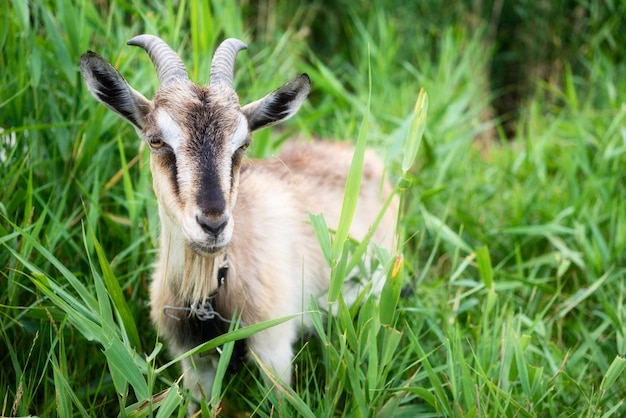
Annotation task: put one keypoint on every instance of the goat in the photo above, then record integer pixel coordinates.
(235, 236)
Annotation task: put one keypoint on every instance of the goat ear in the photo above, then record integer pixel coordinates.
(279, 105)
(108, 86)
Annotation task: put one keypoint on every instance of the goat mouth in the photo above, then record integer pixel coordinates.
(201, 248)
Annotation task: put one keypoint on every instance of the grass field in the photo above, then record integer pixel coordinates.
(513, 240)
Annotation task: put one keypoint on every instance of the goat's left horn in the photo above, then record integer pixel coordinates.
(166, 61)
(223, 64)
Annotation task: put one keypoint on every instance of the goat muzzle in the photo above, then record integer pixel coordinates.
(212, 225)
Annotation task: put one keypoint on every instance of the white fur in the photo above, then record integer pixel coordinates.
(240, 135)
(170, 131)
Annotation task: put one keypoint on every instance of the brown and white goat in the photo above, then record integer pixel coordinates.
(219, 212)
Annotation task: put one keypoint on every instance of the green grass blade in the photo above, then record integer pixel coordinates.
(435, 382)
(351, 194)
(440, 228)
(124, 370)
(235, 335)
(390, 295)
(612, 374)
(484, 266)
(116, 294)
(172, 401)
(222, 366)
(323, 235)
(416, 130)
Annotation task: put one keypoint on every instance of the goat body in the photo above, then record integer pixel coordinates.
(217, 212)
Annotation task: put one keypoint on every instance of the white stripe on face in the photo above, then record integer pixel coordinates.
(240, 134)
(174, 136)
(170, 131)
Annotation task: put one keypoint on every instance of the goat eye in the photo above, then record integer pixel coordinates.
(156, 142)
(244, 146)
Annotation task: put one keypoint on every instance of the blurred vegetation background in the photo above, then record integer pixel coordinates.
(528, 42)
(514, 227)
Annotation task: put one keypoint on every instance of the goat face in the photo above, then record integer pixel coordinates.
(197, 138)
(197, 134)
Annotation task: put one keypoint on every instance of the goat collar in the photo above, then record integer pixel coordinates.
(202, 310)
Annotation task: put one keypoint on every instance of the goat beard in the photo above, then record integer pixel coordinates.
(199, 279)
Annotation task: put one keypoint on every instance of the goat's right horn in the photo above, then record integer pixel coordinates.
(166, 61)
(223, 64)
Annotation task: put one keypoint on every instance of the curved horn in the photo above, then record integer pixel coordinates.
(166, 61)
(223, 64)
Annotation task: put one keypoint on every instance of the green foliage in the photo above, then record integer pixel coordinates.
(506, 296)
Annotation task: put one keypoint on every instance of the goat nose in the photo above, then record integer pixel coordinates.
(212, 225)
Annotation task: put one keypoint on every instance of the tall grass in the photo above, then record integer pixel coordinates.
(511, 252)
